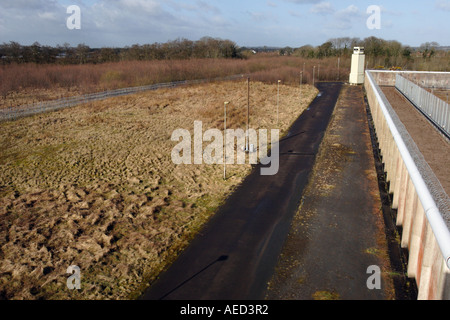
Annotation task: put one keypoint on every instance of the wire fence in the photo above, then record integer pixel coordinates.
(13, 113)
(435, 109)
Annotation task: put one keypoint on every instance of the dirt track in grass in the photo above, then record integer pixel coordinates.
(95, 186)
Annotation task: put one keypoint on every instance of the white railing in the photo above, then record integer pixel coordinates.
(435, 109)
(422, 205)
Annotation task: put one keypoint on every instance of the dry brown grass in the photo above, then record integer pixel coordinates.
(95, 186)
(28, 83)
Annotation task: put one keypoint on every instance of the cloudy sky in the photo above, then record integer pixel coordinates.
(118, 23)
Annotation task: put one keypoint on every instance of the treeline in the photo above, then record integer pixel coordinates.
(374, 47)
(378, 51)
(179, 49)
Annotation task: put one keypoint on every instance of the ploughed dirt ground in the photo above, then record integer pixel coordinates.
(433, 146)
(95, 186)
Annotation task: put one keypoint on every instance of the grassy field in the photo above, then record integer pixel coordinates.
(95, 186)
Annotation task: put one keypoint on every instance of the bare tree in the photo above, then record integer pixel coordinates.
(82, 53)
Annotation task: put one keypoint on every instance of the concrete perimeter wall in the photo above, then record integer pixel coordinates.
(425, 79)
(425, 232)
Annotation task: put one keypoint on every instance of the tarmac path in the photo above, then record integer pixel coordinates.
(236, 253)
(343, 228)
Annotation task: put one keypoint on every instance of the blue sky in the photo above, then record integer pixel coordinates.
(118, 23)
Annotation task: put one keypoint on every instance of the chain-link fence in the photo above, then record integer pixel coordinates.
(13, 113)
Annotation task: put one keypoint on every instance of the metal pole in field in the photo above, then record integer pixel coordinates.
(318, 72)
(225, 142)
(278, 101)
(248, 116)
(339, 70)
(314, 75)
(301, 84)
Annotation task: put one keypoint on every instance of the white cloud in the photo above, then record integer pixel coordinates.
(149, 6)
(349, 12)
(27, 21)
(394, 13)
(323, 8)
(295, 14)
(260, 16)
(199, 6)
(125, 22)
(346, 19)
(28, 4)
(303, 1)
(443, 5)
(388, 24)
(207, 7)
(48, 15)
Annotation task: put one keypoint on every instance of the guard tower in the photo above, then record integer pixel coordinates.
(358, 61)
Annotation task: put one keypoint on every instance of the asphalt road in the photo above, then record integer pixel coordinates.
(235, 254)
